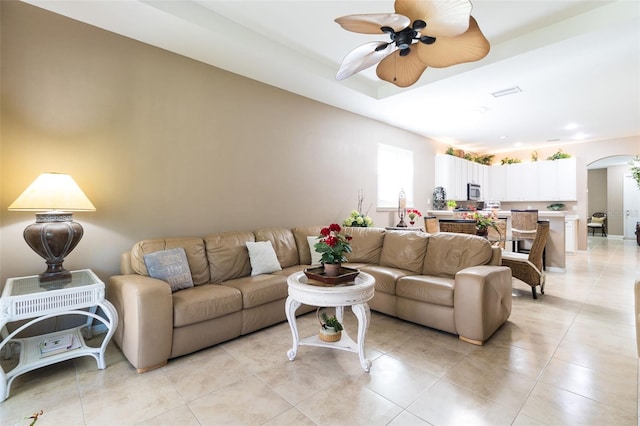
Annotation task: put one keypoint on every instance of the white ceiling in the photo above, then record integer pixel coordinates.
(576, 62)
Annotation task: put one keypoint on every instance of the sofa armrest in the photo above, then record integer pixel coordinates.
(145, 312)
(481, 301)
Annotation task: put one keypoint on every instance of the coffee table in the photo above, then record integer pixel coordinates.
(356, 295)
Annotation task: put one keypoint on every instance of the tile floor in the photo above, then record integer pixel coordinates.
(568, 358)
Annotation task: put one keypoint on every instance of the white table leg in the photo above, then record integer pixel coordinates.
(291, 306)
(363, 314)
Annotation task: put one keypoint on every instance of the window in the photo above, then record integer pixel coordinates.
(395, 173)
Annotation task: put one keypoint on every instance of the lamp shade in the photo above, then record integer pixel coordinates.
(53, 191)
(55, 234)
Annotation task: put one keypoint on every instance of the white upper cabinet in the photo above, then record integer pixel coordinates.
(531, 181)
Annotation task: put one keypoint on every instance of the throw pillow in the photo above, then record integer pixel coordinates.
(315, 256)
(263, 258)
(170, 266)
(597, 220)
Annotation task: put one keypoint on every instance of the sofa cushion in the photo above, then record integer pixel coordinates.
(366, 244)
(316, 258)
(427, 288)
(300, 234)
(228, 255)
(203, 303)
(193, 248)
(283, 242)
(404, 250)
(262, 257)
(386, 278)
(448, 253)
(170, 266)
(260, 289)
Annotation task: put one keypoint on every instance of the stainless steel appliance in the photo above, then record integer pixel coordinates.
(473, 192)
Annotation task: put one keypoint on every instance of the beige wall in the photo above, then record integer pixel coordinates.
(597, 191)
(166, 146)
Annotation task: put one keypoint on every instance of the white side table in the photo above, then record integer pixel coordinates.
(25, 298)
(356, 295)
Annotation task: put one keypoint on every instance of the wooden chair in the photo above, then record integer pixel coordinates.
(523, 227)
(498, 236)
(529, 267)
(460, 226)
(598, 221)
(431, 224)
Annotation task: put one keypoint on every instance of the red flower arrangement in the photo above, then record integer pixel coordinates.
(332, 244)
(413, 213)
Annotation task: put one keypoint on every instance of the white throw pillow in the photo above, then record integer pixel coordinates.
(263, 258)
(170, 266)
(315, 256)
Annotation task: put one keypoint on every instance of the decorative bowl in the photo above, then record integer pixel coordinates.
(556, 206)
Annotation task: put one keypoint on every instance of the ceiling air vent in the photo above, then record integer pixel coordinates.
(505, 92)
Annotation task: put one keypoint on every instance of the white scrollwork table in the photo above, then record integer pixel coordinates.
(355, 294)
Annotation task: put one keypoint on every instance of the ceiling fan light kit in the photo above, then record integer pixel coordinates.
(442, 33)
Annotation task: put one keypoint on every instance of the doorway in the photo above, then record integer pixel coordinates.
(631, 207)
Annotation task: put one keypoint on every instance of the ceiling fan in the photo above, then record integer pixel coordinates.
(423, 33)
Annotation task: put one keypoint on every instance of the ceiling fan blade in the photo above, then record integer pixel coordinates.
(403, 71)
(446, 51)
(362, 57)
(371, 23)
(444, 18)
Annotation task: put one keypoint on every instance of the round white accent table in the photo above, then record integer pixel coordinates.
(355, 295)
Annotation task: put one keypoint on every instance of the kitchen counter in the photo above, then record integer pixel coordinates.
(556, 246)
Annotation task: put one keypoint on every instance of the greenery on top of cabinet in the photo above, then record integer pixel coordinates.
(481, 159)
(559, 155)
(507, 160)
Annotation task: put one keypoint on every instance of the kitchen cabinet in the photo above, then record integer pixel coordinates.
(530, 181)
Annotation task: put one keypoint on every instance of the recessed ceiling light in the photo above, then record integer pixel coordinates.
(517, 144)
(505, 92)
(504, 137)
(580, 136)
(571, 126)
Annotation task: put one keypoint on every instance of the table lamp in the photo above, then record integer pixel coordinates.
(54, 234)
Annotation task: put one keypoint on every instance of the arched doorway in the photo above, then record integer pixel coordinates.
(607, 191)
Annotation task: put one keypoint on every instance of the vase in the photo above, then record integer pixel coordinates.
(483, 232)
(412, 222)
(332, 269)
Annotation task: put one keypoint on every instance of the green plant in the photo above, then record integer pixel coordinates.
(452, 203)
(635, 169)
(332, 245)
(468, 157)
(534, 155)
(507, 160)
(450, 150)
(484, 159)
(330, 321)
(357, 218)
(483, 221)
(559, 155)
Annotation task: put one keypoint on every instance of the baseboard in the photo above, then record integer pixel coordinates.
(555, 269)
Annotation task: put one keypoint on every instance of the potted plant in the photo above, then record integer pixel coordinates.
(332, 245)
(483, 222)
(635, 169)
(451, 204)
(330, 327)
(357, 218)
(413, 213)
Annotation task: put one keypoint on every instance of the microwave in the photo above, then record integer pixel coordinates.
(473, 192)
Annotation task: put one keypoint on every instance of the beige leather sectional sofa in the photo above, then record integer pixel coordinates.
(451, 282)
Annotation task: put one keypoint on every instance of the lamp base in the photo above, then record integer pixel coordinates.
(53, 237)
